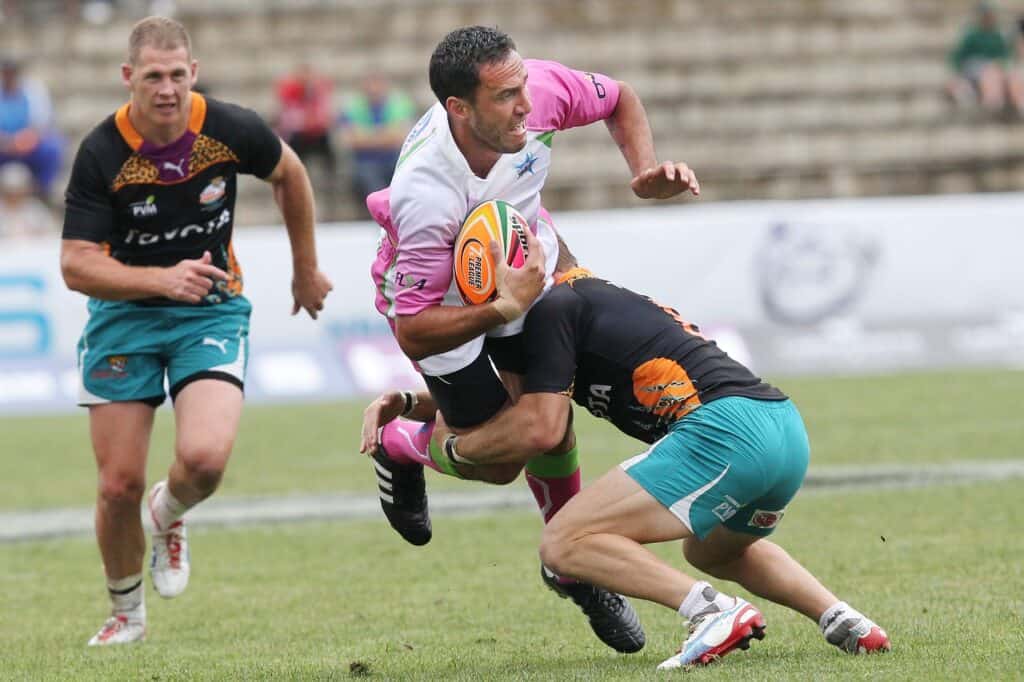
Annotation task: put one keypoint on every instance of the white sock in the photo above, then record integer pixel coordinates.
(164, 508)
(127, 595)
(704, 599)
(835, 617)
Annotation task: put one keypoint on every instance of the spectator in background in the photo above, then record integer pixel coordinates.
(304, 116)
(373, 126)
(21, 213)
(981, 65)
(25, 132)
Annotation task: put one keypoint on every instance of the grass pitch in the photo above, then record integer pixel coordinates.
(341, 600)
(900, 419)
(941, 568)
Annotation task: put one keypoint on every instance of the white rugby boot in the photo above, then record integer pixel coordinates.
(122, 628)
(169, 566)
(716, 633)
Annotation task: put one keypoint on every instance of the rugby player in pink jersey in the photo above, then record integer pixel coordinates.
(490, 136)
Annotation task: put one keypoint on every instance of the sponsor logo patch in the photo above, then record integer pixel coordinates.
(212, 196)
(766, 519)
(144, 209)
(178, 168)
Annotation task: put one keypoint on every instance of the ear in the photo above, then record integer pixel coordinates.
(457, 108)
(126, 74)
(194, 68)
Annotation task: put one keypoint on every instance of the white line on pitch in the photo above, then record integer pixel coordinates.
(240, 511)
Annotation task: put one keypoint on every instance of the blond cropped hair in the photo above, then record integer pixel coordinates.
(160, 33)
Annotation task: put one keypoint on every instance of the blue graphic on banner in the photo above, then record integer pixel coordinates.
(25, 330)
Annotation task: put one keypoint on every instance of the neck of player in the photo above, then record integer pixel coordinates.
(161, 134)
(481, 159)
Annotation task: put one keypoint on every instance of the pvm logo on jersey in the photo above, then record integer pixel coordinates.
(212, 196)
(144, 209)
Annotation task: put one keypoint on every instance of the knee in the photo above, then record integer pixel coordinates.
(121, 489)
(505, 474)
(203, 465)
(556, 550)
(497, 474)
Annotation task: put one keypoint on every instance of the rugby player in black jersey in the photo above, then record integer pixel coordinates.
(147, 236)
(728, 452)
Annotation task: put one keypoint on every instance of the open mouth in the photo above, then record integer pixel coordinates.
(166, 107)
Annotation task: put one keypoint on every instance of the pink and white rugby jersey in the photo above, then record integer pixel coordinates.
(433, 189)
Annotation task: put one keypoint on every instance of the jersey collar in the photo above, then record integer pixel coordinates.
(197, 116)
(572, 275)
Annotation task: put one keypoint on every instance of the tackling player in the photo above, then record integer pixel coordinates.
(490, 136)
(728, 453)
(147, 236)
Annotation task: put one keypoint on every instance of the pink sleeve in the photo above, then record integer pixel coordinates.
(379, 205)
(564, 98)
(423, 264)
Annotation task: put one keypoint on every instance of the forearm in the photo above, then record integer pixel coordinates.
(294, 196)
(439, 329)
(100, 276)
(535, 425)
(631, 130)
(513, 437)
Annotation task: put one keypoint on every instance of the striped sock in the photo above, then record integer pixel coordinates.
(126, 594)
(553, 480)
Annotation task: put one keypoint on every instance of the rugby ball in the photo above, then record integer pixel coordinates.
(473, 268)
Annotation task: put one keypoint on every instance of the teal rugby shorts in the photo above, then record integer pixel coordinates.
(735, 461)
(126, 349)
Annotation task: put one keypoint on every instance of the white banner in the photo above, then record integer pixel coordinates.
(866, 284)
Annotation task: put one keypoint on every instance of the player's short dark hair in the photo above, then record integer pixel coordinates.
(455, 64)
(566, 261)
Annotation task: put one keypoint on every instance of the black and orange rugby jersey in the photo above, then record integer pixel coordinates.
(626, 358)
(158, 205)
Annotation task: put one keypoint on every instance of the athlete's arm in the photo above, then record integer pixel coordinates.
(89, 269)
(631, 131)
(294, 195)
(438, 329)
(534, 425)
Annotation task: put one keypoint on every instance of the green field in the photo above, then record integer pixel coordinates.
(901, 419)
(348, 599)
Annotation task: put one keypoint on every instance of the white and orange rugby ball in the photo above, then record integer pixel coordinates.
(473, 268)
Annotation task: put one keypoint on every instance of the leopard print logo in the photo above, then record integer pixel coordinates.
(206, 151)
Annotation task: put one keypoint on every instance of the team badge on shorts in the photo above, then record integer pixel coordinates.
(116, 368)
(766, 519)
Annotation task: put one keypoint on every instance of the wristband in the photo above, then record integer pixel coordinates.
(451, 454)
(411, 401)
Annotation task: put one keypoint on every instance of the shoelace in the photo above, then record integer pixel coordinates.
(172, 540)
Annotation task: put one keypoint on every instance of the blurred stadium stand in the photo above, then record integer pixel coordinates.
(764, 98)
